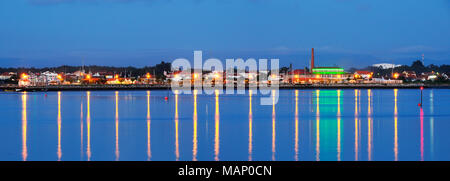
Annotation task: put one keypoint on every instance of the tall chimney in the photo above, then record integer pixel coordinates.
(312, 59)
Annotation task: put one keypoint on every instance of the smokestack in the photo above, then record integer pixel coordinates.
(312, 59)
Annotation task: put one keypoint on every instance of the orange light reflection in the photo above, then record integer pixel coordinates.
(59, 152)
(216, 133)
(24, 127)
(149, 151)
(194, 139)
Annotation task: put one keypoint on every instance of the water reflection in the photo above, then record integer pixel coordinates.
(356, 125)
(117, 153)
(250, 126)
(296, 125)
(369, 123)
(24, 127)
(273, 125)
(395, 126)
(177, 151)
(317, 125)
(149, 151)
(421, 134)
(339, 125)
(320, 140)
(216, 133)
(194, 139)
(59, 153)
(88, 124)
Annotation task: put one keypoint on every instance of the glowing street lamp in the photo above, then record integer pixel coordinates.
(148, 75)
(24, 76)
(396, 75)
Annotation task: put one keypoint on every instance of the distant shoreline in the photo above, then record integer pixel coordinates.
(167, 87)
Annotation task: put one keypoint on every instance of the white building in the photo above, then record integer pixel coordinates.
(51, 77)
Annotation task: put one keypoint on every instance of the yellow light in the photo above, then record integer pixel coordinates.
(195, 75)
(148, 75)
(176, 75)
(396, 75)
(317, 76)
(339, 76)
(296, 76)
(24, 76)
(59, 152)
(216, 75)
(217, 127)
(88, 76)
(194, 139)
(24, 127)
(59, 76)
(116, 76)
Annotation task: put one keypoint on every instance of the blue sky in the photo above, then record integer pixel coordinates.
(348, 33)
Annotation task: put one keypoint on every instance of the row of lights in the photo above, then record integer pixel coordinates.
(25, 76)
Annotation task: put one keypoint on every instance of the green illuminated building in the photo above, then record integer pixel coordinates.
(328, 70)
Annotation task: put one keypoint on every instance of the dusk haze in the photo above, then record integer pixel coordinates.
(146, 32)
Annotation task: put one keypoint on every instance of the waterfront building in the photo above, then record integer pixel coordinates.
(362, 74)
(6, 75)
(410, 75)
(51, 78)
(327, 75)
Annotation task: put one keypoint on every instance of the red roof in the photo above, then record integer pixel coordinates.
(362, 72)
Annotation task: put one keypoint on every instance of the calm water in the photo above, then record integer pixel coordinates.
(304, 125)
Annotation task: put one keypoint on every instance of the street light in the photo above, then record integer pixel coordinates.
(396, 75)
(24, 76)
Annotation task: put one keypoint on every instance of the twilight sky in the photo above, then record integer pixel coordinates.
(348, 33)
